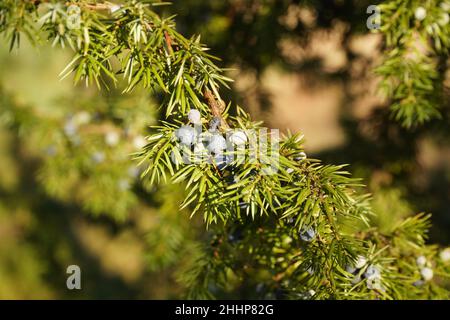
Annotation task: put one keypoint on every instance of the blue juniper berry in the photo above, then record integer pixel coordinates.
(186, 135)
(217, 144)
(214, 124)
(222, 161)
(194, 116)
(308, 235)
(243, 205)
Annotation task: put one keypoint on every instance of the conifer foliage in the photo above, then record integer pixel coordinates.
(417, 42)
(279, 224)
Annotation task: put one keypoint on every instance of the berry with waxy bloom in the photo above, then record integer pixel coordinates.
(82, 117)
(217, 144)
(112, 138)
(194, 116)
(98, 157)
(420, 13)
(360, 262)
(418, 283)
(372, 272)
(70, 128)
(243, 205)
(445, 6)
(350, 269)
(421, 261)
(444, 19)
(308, 235)
(186, 135)
(374, 284)
(238, 138)
(214, 124)
(300, 156)
(445, 255)
(200, 152)
(427, 273)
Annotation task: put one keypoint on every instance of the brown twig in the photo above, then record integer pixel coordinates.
(168, 41)
(217, 107)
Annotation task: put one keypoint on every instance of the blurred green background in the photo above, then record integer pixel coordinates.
(70, 195)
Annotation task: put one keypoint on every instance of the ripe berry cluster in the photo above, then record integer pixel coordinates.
(210, 145)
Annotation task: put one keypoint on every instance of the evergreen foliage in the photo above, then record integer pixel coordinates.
(417, 42)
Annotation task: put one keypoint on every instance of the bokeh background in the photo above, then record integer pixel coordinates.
(69, 191)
